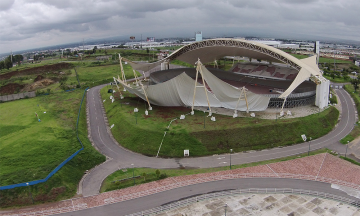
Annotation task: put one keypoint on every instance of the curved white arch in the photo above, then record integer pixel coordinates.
(212, 49)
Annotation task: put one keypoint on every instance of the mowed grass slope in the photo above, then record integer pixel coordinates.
(30, 150)
(90, 75)
(240, 134)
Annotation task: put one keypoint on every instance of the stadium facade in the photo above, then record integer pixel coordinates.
(276, 80)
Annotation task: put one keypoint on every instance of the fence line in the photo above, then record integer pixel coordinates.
(200, 198)
(12, 97)
(59, 166)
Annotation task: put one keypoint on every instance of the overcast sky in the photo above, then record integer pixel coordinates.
(26, 24)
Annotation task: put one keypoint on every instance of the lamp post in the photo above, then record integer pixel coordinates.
(309, 147)
(230, 157)
(133, 173)
(204, 119)
(30, 193)
(346, 148)
(225, 208)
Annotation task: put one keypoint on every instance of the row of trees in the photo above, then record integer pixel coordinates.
(8, 62)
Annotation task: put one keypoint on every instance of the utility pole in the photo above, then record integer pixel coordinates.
(141, 42)
(11, 58)
(334, 58)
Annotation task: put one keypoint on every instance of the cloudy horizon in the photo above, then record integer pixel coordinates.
(28, 24)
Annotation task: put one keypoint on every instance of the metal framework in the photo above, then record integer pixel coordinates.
(242, 96)
(199, 70)
(121, 96)
(291, 102)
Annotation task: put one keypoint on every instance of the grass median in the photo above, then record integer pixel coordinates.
(124, 178)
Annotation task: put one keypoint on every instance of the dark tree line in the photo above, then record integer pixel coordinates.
(7, 63)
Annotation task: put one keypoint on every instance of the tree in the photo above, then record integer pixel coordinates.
(355, 82)
(332, 74)
(147, 50)
(94, 49)
(8, 64)
(2, 65)
(157, 172)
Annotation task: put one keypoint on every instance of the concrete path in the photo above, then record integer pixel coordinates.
(120, 157)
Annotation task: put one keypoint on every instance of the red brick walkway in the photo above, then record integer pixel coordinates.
(322, 167)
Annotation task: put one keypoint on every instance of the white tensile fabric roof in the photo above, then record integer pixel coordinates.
(179, 91)
(216, 51)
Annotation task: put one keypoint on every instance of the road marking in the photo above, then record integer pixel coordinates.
(272, 170)
(221, 158)
(320, 167)
(223, 162)
(103, 141)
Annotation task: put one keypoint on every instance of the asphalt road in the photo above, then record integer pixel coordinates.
(120, 157)
(155, 200)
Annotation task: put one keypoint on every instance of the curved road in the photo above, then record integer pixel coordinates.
(119, 157)
(155, 200)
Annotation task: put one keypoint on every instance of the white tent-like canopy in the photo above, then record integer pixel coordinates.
(225, 94)
(179, 91)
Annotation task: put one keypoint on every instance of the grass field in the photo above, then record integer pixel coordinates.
(123, 178)
(240, 134)
(322, 59)
(336, 79)
(30, 150)
(90, 75)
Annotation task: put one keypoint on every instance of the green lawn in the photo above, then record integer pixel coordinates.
(95, 75)
(123, 178)
(322, 59)
(240, 134)
(336, 79)
(30, 150)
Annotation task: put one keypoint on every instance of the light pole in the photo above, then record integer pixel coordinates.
(230, 157)
(30, 193)
(133, 172)
(309, 147)
(204, 119)
(225, 208)
(346, 148)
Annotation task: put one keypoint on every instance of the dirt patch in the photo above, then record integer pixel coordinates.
(39, 77)
(10, 88)
(39, 84)
(37, 70)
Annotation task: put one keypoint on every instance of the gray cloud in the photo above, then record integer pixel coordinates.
(28, 23)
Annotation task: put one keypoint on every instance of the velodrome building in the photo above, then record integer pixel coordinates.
(276, 79)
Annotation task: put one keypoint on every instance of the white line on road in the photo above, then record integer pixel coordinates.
(272, 170)
(104, 143)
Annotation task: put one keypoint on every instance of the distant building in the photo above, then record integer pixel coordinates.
(162, 55)
(357, 63)
(198, 36)
(107, 57)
